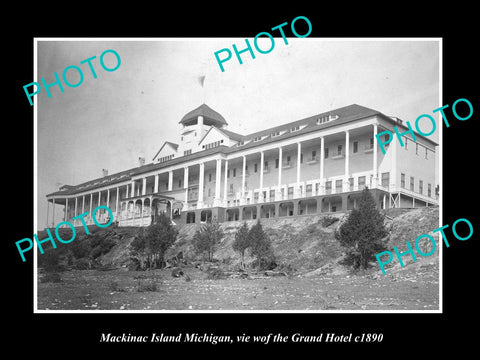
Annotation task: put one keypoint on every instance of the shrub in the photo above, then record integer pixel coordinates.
(362, 234)
(206, 239)
(261, 247)
(328, 220)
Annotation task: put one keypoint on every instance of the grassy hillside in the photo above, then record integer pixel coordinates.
(301, 245)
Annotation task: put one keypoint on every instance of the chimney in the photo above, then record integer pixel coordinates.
(104, 172)
(141, 161)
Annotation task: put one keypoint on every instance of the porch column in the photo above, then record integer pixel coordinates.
(75, 206)
(225, 183)
(99, 197)
(185, 185)
(91, 202)
(144, 186)
(200, 185)
(133, 188)
(322, 169)
(53, 221)
(65, 215)
(83, 204)
(48, 205)
(279, 173)
(299, 156)
(116, 202)
(127, 187)
(218, 180)
(262, 161)
(170, 180)
(375, 167)
(108, 198)
(243, 175)
(347, 160)
(155, 186)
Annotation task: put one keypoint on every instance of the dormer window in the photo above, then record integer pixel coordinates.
(295, 128)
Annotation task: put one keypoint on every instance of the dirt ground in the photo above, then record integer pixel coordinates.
(415, 287)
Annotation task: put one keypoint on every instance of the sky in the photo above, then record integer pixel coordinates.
(111, 121)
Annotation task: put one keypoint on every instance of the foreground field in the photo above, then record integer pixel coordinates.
(415, 287)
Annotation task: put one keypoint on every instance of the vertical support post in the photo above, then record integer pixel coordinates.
(375, 165)
(144, 186)
(322, 164)
(170, 180)
(117, 199)
(262, 161)
(299, 156)
(225, 185)
(218, 181)
(185, 185)
(155, 186)
(347, 161)
(53, 220)
(279, 191)
(65, 215)
(48, 204)
(200, 185)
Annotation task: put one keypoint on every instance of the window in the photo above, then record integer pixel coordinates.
(187, 152)
(412, 183)
(288, 159)
(212, 145)
(301, 158)
(361, 182)
(258, 138)
(208, 191)
(350, 182)
(210, 177)
(231, 188)
(234, 172)
(290, 192)
(339, 149)
(355, 147)
(314, 154)
(295, 128)
(228, 173)
(429, 190)
(402, 181)
(328, 187)
(385, 179)
(426, 153)
(265, 165)
(371, 143)
(254, 167)
(308, 189)
(275, 134)
(272, 195)
(416, 148)
(338, 186)
(420, 186)
(276, 163)
(326, 153)
(180, 183)
(166, 158)
(406, 143)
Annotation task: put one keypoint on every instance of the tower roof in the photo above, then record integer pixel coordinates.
(210, 116)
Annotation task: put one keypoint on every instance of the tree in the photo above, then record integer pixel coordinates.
(207, 237)
(362, 233)
(152, 242)
(261, 247)
(242, 241)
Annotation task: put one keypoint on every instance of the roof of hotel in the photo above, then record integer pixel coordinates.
(345, 114)
(209, 116)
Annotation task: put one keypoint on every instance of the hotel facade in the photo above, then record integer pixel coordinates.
(315, 165)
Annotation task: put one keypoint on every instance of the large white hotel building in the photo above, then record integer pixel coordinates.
(314, 165)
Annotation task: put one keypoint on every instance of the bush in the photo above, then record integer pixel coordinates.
(215, 274)
(328, 220)
(206, 239)
(261, 248)
(362, 234)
